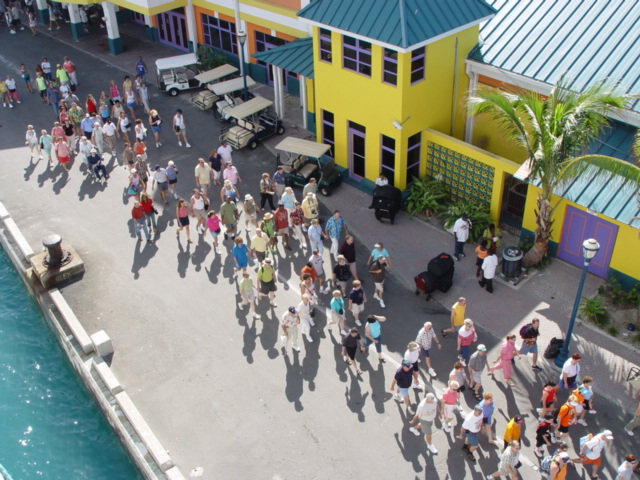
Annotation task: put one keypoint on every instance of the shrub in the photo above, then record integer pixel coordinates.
(210, 58)
(426, 196)
(478, 213)
(612, 330)
(593, 309)
(619, 296)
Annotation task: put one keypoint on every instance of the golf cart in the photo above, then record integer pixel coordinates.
(253, 123)
(205, 99)
(177, 73)
(228, 95)
(306, 159)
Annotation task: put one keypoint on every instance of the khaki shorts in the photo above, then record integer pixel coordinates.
(200, 214)
(355, 308)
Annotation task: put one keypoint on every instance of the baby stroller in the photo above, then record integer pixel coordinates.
(386, 202)
(438, 276)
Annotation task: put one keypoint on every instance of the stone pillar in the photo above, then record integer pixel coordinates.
(152, 32)
(77, 29)
(113, 33)
(278, 83)
(191, 26)
(43, 12)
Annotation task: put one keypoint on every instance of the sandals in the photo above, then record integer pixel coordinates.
(477, 396)
(358, 372)
(349, 362)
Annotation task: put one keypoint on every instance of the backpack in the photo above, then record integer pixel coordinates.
(584, 440)
(554, 347)
(523, 330)
(545, 464)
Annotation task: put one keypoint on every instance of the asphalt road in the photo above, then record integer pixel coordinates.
(210, 381)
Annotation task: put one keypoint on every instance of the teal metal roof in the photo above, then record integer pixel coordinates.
(401, 23)
(587, 39)
(296, 56)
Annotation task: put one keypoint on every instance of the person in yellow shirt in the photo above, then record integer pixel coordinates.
(513, 430)
(457, 316)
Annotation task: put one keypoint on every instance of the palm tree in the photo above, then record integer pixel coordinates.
(555, 131)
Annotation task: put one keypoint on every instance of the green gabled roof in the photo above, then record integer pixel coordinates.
(399, 23)
(296, 56)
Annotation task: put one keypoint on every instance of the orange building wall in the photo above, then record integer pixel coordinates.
(200, 10)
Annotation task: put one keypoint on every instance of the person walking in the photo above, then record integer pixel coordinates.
(507, 353)
(124, 127)
(231, 174)
(259, 245)
(548, 400)
(139, 225)
(62, 152)
(310, 209)
(12, 89)
(246, 288)
(544, 433)
(110, 132)
(373, 334)
(377, 271)
(626, 468)
(172, 177)
(489, 265)
(267, 279)
(570, 372)
(160, 177)
(305, 307)
(31, 140)
(509, 460)
(458, 374)
(180, 128)
(155, 122)
(341, 274)
(280, 181)
(225, 150)
(591, 451)
(203, 176)
(213, 223)
(449, 401)
(425, 338)
(357, 299)
(182, 215)
(268, 227)
(426, 413)
(315, 235)
(230, 191)
(216, 166)
(488, 408)
(348, 250)
(251, 212)
(513, 430)
(229, 216)
(466, 336)
(26, 76)
(461, 229)
(476, 365)
(633, 423)
(333, 229)
(412, 355)
(267, 191)
(469, 431)
(296, 220)
(141, 68)
(338, 311)
(240, 255)
(289, 322)
(566, 417)
(400, 385)
(529, 334)
(481, 253)
(317, 262)
(149, 211)
(458, 311)
(350, 342)
(70, 69)
(46, 141)
(197, 207)
(281, 220)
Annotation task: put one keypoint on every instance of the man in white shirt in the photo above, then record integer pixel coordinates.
(160, 176)
(461, 235)
(109, 132)
(224, 151)
(591, 451)
(180, 128)
(470, 430)
(426, 413)
(489, 265)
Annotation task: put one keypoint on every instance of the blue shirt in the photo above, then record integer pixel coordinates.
(240, 254)
(288, 199)
(334, 227)
(374, 329)
(87, 124)
(140, 68)
(376, 254)
(487, 410)
(279, 178)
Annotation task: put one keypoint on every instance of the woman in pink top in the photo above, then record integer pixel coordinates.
(213, 222)
(57, 131)
(115, 93)
(507, 353)
(182, 213)
(62, 152)
(449, 403)
(231, 173)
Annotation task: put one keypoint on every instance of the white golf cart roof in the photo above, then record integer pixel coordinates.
(303, 147)
(216, 73)
(177, 61)
(249, 107)
(229, 86)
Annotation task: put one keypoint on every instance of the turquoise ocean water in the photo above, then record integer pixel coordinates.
(50, 427)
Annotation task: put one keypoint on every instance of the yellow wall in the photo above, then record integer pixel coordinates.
(375, 105)
(626, 241)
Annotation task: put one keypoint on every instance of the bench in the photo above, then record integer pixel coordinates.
(204, 100)
(308, 170)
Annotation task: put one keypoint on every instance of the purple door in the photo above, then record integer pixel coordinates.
(579, 226)
(172, 29)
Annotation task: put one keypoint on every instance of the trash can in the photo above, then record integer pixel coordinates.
(511, 261)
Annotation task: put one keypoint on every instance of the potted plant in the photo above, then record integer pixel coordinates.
(426, 197)
(478, 213)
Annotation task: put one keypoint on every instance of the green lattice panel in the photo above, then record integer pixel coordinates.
(465, 178)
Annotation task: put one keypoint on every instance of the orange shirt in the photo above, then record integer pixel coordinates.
(566, 414)
(481, 253)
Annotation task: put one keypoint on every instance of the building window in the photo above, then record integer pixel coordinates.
(356, 55)
(413, 157)
(418, 65)
(390, 67)
(325, 45)
(388, 158)
(328, 131)
(219, 34)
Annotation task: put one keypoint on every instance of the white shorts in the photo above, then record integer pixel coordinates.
(379, 286)
(477, 376)
(449, 410)
(355, 308)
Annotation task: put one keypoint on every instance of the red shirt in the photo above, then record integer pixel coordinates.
(147, 207)
(137, 213)
(310, 270)
(297, 217)
(281, 218)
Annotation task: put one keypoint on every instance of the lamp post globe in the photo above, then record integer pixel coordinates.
(590, 249)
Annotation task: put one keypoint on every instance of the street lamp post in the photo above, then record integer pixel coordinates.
(590, 248)
(242, 37)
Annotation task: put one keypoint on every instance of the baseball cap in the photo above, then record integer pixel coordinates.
(564, 456)
(93, 150)
(87, 115)
(607, 434)
(157, 167)
(133, 170)
(292, 310)
(171, 163)
(267, 260)
(482, 348)
(406, 363)
(377, 245)
(248, 197)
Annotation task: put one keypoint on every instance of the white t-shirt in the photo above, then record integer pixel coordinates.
(625, 471)
(109, 129)
(225, 153)
(412, 357)
(473, 422)
(489, 265)
(304, 310)
(160, 175)
(594, 447)
(461, 229)
(178, 120)
(11, 83)
(570, 369)
(317, 262)
(427, 411)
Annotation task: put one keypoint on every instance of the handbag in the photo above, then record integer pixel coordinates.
(206, 206)
(176, 128)
(155, 210)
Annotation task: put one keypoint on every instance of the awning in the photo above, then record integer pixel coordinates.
(177, 61)
(228, 86)
(249, 107)
(296, 57)
(216, 73)
(300, 146)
